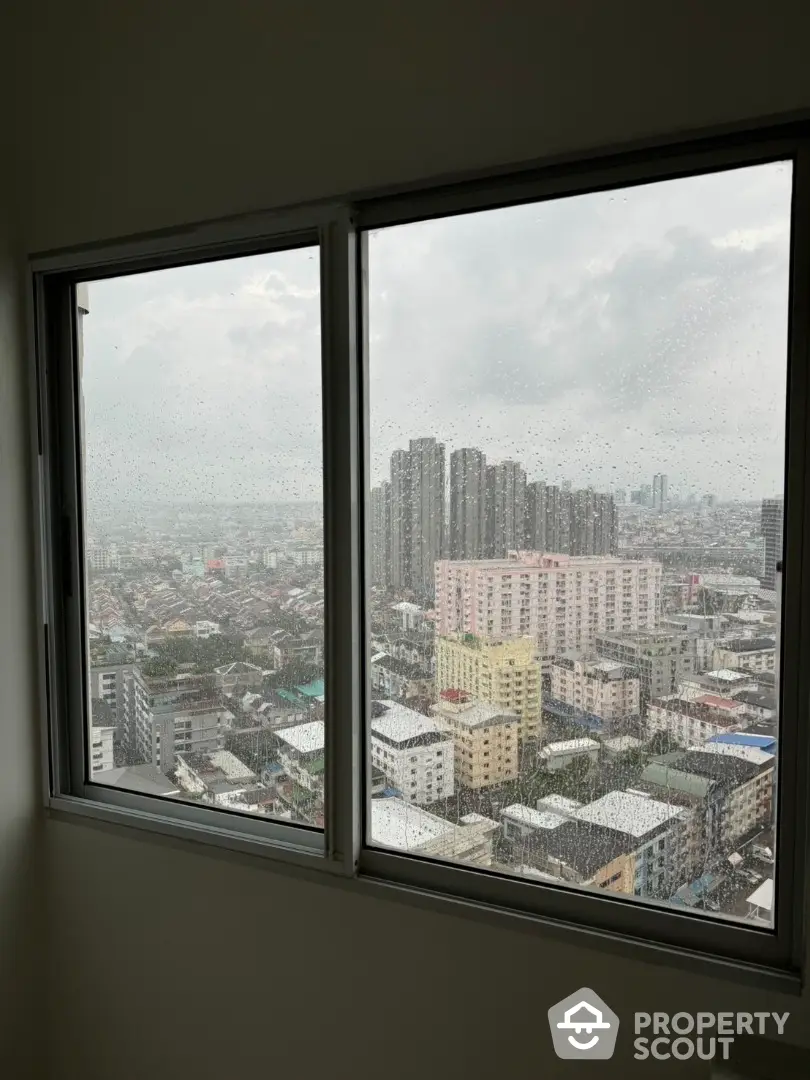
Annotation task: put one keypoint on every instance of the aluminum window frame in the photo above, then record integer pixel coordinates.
(646, 929)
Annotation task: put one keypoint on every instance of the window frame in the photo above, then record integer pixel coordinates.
(648, 930)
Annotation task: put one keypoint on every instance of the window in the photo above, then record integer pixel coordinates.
(598, 357)
(525, 381)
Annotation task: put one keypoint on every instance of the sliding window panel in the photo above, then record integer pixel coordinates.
(577, 446)
(201, 476)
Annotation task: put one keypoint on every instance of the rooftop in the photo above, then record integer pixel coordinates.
(559, 802)
(662, 775)
(745, 645)
(728, 675)
(145, 779)
(535, 819)
(401, 725)
(747, 738)
(475, 714)
(745, 752)
(586, 847)
(397, 824)
(217, 765)
(569, 746)
(621, 744)
(762, 896)
(635, 815)
(717, 702)
(305, 738)
(697, 710)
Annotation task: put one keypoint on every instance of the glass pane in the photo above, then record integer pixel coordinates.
(577, 458)
(204, 533)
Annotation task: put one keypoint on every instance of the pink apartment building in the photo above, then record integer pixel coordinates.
(562, 601)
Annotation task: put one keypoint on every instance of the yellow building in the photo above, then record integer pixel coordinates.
(502, 673)
(485, 740)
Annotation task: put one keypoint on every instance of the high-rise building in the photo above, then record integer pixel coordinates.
(660, 492)
(562, 601)
(772, 519)
(505, 508)
(417, 513)
(594, 524)
(502, 673)
(535, 525)
(380, 534)
(468, 471)
(570, 522)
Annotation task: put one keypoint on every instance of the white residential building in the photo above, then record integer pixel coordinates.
(562, 601)
(218, 776)
(301, 753)
(415, 753)
(204, 629)
(605, 688)
(307, 557)
(694, 721)
(750, 654)
(102, 733)
(558, 755)
(411, 614)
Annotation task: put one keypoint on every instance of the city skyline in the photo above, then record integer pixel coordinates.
(598, 339)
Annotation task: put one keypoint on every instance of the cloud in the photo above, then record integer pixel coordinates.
(598, 338)
(550, 332)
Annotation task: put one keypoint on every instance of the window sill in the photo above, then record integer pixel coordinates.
(419, 883)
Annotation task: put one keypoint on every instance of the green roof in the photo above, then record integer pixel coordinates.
(313, 689)
(675, 780)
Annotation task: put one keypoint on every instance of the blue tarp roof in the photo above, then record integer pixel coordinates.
(745, 738)
(561, 710)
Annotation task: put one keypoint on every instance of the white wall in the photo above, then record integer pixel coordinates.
(134, 116)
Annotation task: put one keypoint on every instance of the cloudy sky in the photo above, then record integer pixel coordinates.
(599, 339)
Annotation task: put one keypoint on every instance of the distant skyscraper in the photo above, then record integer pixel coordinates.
(535, 526)
(772, 517)
(581, 522)
(417, 513)
(506, 508)
(660, 492)
(594, 524)
(468, 469)
(380, 532)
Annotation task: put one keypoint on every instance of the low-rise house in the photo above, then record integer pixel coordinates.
(402, 826)
(392, 678)
(218, 776)
(237, 676)
(605, 688)
(689, 722)
(750, 654)
(558, 755)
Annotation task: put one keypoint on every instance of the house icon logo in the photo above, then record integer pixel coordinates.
(583, 1026)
